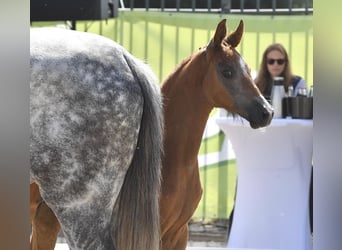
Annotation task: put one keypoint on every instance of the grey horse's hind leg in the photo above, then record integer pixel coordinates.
(87, 225)
(86, 216)
(89, 231)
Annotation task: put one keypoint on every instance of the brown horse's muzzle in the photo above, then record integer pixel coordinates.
(260, 112)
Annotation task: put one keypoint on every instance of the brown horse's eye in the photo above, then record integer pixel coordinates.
(227, 73)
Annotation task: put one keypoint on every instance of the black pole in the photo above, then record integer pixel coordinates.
(73, 24)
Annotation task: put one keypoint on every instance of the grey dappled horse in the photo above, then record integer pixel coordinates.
(96, 139)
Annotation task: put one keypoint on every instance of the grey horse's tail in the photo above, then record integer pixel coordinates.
(138, 221)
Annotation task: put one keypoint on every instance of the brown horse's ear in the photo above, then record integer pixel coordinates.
(220, 33)
(235, 37)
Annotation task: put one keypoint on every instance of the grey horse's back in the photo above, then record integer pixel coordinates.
(95, 114)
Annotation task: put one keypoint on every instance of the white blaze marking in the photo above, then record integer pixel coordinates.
(243, 66)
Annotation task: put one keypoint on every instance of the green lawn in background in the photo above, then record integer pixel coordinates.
(219, 181)
(212, 144)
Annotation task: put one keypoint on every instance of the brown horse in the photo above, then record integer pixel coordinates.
(215, 76)
(45, 226)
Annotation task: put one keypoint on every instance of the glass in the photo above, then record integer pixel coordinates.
(272, 61)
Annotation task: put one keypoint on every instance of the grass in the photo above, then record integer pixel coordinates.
(219, 182)
(212, 144)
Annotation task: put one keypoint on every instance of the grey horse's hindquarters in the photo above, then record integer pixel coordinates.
(85, 111)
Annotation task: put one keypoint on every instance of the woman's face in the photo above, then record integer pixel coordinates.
(275, 63)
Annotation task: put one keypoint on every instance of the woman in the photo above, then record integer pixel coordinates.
(275, 62)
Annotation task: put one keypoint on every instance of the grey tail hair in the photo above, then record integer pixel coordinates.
(137, 224)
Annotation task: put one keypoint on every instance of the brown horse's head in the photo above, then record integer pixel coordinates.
(228, 83)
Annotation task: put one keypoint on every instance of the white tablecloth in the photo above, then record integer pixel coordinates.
(272, 199)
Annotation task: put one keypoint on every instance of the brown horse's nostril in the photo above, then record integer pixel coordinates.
(270, 113)
(267, 113)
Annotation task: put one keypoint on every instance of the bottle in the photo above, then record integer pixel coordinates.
(311, 91)
(288, 102)
(277, 95)
(302, 92)
(290, 91)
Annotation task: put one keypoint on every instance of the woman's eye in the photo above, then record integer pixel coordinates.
(227, 73)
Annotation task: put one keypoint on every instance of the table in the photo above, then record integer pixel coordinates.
(272, 197)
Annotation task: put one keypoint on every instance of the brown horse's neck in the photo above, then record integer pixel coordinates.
(186, 109)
